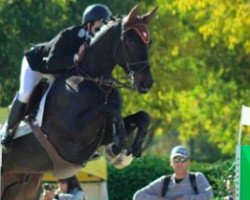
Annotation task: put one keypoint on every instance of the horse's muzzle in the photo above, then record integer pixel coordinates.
(143, 82)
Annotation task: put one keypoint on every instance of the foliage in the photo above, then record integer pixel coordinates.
(202, 83)
(142, 171)
(3, 114)
(199, 57)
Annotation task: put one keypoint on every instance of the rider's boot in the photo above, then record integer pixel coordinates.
(16, 115)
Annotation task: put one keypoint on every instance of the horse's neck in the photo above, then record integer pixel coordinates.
(99, 60)
(98, 64)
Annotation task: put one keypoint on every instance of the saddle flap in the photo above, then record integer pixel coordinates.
(37, 101)
(36, 97)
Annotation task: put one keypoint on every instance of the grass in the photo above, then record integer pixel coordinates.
(3, 114)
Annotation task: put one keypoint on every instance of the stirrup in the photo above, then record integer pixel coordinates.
(6, 141)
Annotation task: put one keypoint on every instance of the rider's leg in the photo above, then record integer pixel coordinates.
(28, 81)
(16, 115)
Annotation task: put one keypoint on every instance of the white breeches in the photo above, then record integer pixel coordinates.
(28, 80)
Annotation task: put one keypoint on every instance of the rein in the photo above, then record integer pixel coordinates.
(100, 81)
(105, 85)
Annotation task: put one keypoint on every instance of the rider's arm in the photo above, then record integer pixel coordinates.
(61, 55)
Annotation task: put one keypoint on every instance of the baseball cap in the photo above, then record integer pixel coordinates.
(179, 151)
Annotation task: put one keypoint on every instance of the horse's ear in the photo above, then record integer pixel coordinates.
(132, 15)
(147, 17)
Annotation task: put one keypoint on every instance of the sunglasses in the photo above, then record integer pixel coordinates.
(179, 160)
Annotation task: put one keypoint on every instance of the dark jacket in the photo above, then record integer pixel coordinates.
(57, 54)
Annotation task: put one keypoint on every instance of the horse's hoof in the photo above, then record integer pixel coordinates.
(109, 155)
(137, 153)
(123, 160)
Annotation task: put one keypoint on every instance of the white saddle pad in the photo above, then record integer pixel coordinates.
(24, 128)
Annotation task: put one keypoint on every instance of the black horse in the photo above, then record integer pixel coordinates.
(83, 107)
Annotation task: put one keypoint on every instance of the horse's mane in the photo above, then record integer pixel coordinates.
(113, 22)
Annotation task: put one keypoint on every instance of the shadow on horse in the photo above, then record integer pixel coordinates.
(83, 109)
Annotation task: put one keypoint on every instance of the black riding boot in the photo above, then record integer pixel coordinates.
(15, 117)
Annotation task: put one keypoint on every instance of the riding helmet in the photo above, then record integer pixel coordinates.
(96, 12)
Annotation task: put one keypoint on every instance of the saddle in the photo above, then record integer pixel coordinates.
(33, 121)
(36, 105)
(34, 110)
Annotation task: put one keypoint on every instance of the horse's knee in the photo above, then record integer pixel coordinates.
(119, 136)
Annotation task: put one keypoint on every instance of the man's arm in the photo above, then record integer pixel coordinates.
(151, 191)
(205, 191)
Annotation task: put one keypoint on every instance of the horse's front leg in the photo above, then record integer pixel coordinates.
(118, 134)
(141, 121)
(122, 157)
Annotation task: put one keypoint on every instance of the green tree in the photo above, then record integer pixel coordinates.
(199, 57)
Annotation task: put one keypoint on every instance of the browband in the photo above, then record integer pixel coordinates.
(141, 30)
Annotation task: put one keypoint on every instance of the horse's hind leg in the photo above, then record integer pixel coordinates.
(141, 121)
(20, 186)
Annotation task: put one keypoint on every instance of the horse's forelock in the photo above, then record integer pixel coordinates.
(106, 27)
(140, 27)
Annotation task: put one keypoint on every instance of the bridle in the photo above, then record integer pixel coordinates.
(115, 83)
(140, 29)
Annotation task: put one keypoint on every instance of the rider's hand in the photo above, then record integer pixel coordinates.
(80, 54)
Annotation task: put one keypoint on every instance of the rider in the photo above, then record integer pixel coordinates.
(63, 52)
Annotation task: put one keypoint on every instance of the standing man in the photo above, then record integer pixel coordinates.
(181, 185)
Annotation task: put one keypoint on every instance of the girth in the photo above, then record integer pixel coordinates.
(61, 168)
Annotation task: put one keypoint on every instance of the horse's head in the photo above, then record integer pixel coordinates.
(124, 41)
(131, 49)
